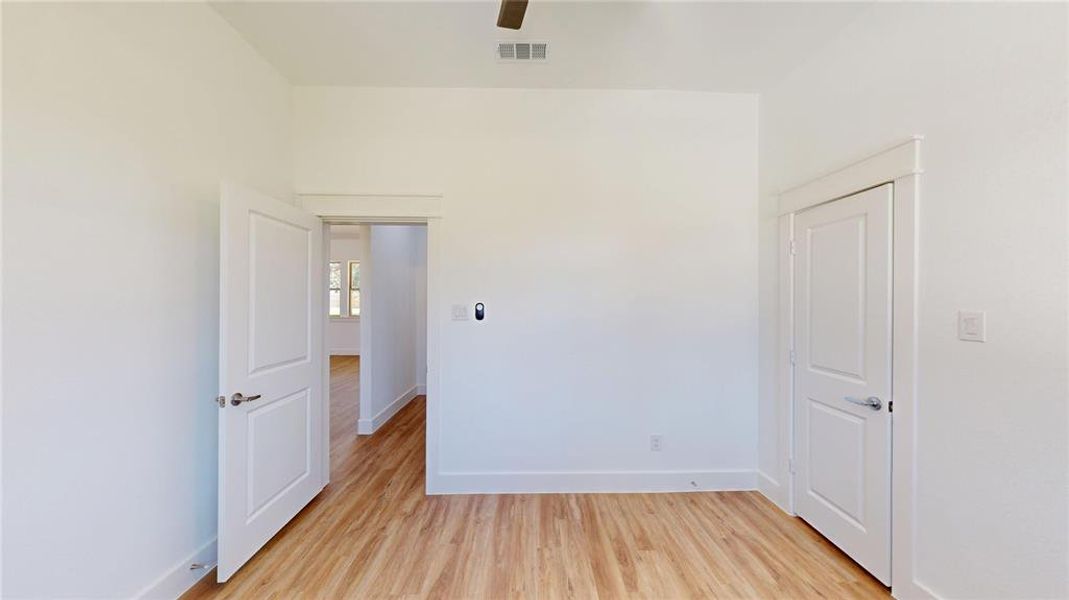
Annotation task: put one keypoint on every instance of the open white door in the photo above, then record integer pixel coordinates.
(843, 374)
(270, 370)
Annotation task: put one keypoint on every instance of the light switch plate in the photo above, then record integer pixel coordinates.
(460, 312)
(972, 326)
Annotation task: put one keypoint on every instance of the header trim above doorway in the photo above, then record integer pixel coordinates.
(373, 208)
(895, 162)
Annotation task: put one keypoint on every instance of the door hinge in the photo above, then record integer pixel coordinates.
(792, 248)
(792, 356)
(221, 401)
(790, 465)
(891, 406)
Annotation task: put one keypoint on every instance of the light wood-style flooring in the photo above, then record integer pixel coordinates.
(372, 533)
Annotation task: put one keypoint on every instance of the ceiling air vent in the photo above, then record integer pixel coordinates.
(521, 51)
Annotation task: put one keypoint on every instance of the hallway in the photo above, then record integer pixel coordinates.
(372, 533)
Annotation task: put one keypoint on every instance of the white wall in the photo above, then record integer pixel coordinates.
(986, 85)
(612, 236)
(119, 122)
(419, 276)
(395, 290)
(343, 333)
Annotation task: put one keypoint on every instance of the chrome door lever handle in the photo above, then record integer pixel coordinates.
(872, 401)
(238, 398)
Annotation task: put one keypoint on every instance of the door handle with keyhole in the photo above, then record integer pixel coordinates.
(238, 398)
(872, 402)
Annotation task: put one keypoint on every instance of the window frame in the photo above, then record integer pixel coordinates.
(330, 266)
(357, 289)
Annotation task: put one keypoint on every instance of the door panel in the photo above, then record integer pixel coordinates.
(840, 460)
(270, 447)
(843, 346)
(837, 297)
(279, 256)
(280, 449)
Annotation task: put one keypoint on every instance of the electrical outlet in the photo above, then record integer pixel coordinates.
(655, 442)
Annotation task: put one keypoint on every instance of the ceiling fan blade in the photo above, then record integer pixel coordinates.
(511, 14)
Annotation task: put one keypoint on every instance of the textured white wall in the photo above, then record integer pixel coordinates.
(119, 122)
(612, 236)
(986, 85)
(420, 283)
(395, 286)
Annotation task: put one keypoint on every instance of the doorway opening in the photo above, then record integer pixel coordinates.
(391, 216)
(376, 327)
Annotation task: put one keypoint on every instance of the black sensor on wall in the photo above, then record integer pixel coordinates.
(480, 311)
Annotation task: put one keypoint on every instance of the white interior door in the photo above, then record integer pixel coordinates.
(843, 374)
(271, 330)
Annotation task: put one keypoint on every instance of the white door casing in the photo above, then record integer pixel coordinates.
(271, 334)
(843, 325)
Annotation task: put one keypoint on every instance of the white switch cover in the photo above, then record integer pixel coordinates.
(972, 326)
(656, 442)
(460, 312)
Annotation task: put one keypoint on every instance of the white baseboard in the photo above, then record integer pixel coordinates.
(913, 590)
(774, 491)
(593, 482)
(369, 426)
(421, 390)
(180, 578)
(345, 351)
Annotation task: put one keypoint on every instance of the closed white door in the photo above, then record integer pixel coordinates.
(271, 439)
(843, 374)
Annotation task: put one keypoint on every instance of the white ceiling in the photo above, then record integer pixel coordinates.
(729, 47)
